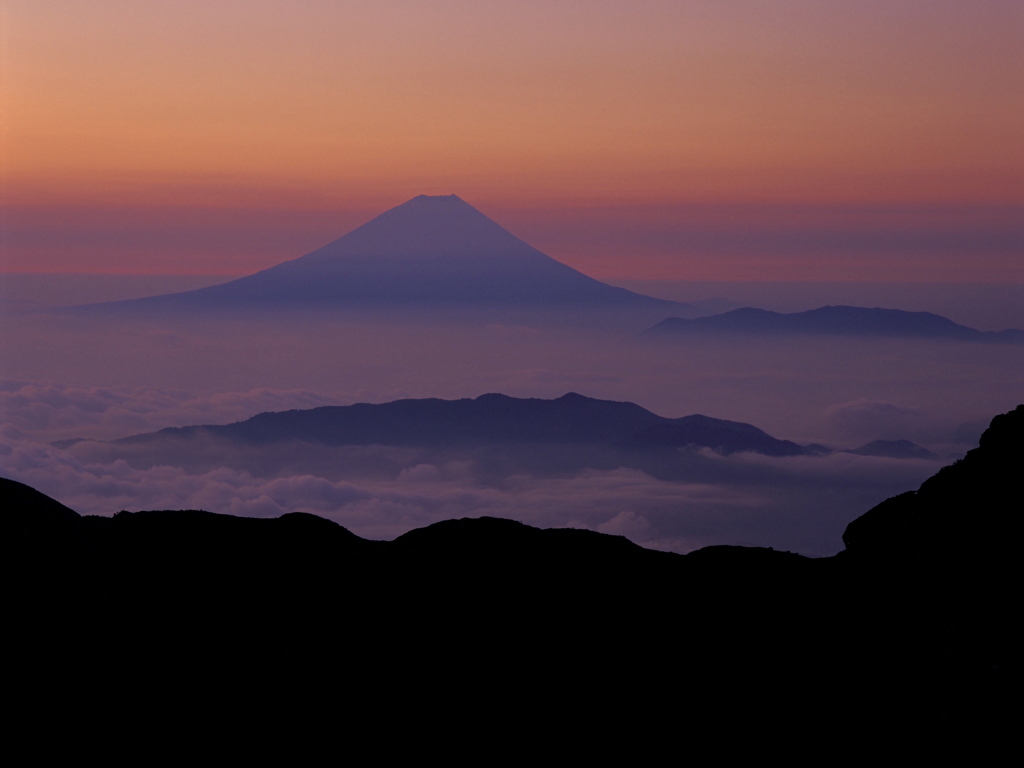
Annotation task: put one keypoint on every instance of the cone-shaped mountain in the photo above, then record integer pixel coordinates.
(427, 251)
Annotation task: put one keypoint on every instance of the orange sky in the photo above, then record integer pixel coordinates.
(224, 137)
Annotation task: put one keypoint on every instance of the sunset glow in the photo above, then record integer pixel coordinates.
(223, 138)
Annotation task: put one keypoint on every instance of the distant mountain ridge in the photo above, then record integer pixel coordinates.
(894, 449)
(429, 251)
(490, 418)
(832, 321)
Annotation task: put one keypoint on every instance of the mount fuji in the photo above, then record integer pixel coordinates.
(427, 252)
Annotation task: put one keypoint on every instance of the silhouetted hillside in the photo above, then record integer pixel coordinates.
(908, 639)
(832, 321)
(491, 418)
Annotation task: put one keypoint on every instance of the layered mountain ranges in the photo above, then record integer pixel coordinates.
(440, 253)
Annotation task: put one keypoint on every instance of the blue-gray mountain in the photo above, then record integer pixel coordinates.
(429, 251)
(488, 419)
(831, 321)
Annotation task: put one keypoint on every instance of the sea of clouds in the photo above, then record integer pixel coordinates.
(67, 377)
(795, 503)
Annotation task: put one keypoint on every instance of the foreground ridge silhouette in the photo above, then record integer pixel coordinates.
(907, 639)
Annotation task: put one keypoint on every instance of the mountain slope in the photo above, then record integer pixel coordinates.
(428, 251)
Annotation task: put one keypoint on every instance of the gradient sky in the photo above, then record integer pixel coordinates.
(735, 139)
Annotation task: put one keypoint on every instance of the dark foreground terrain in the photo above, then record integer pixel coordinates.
(486, 633)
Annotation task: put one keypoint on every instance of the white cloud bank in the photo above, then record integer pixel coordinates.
(801, 504)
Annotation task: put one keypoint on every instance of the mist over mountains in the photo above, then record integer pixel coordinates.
(439, 253)
(381, 469)
(684, 443)
(675, 484)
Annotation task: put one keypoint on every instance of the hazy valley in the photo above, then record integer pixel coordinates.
(223, 354)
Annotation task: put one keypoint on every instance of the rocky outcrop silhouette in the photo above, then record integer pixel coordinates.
(543, 638)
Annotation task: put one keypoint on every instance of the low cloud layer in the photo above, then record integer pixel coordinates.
(50, 411)
(801, 504)
(843, 394)
(115, 376)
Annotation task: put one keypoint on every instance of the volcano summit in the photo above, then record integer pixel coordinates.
(429, 251)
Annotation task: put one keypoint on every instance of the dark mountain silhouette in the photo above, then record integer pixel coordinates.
(832, 321)
(894, 449)
(491, 418)
(488, 632)
(429, 251)
(29, 512)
